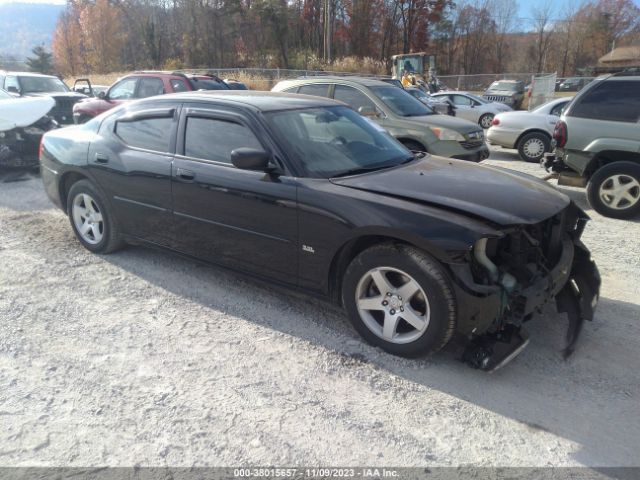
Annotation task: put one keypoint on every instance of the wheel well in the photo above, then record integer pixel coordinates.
(346, 254)
(610, 156)
(404, 141)
(546, 134)
(66, 182)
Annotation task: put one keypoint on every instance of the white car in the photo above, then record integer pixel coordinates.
(474, 108)
(529, 132)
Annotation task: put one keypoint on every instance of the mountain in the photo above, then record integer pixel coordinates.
(25, 25)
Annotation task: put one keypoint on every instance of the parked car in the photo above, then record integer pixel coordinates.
(474, 108)
(23, 121)
(529, 132)
(303, 192)
(142, 85)
(509, 92)
(441, 105)
(417, 126)
(574, 84)
(235, 84)
(598, 144)
(27, 84)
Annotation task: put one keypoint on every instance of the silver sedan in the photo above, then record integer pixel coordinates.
(474, 108)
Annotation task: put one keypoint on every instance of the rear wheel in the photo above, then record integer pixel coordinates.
(400, 299)
(485, 120)
(91, 218)
(533, 146)
(614, 190)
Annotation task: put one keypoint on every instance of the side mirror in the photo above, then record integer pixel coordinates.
(250, 159)
(368, 112)
(102, 95)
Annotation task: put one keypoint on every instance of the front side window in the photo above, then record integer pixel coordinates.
(318, 90)
(42, 85)
(461, 100)
(355, 98)
(332, 141)
(146, 133)
(149, 87)
(401, 103)
(615, 100)
(214, 139)
(123, 90)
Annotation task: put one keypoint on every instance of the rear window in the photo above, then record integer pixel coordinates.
(615, 100)
(321, 90)
(148, 133)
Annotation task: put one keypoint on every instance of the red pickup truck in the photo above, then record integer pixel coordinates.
(141, 85)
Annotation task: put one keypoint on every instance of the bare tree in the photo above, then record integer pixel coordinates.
(542, 25)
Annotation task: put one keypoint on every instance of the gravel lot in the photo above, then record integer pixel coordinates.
(145, 358)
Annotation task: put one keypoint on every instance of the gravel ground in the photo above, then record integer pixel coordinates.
(145, 358)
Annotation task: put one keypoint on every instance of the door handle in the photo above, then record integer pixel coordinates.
(102, 158)
(187, 175)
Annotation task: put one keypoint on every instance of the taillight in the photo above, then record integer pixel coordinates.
(495, 121)
(560, 134)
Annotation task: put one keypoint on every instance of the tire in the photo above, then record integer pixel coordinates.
(614, 190)
(102, 234)
(533, 146)
(433, 320)
(414, 146)
(485, 120)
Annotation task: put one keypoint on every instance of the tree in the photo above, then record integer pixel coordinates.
(42, 61)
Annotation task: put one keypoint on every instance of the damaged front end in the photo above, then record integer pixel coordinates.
(511, 278)
(19, 146)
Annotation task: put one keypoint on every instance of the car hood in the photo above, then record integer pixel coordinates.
(445, 121)
(498, 195)
(22, 112)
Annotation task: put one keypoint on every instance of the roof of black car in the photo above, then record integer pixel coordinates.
(263, 101)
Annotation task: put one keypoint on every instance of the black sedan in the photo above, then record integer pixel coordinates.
(304, 192)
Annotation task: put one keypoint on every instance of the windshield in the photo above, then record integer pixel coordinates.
(42, 85)
(418, 93)
(401, 103)
(509, 86)
(334, 141)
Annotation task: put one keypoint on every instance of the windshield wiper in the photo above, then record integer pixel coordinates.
(359, 170)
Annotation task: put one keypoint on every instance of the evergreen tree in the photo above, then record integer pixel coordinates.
(41, 62)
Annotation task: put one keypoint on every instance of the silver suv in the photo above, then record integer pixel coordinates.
(598, 144)
(414, 124)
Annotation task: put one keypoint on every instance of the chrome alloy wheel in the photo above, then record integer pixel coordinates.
(620, 192)
(87, 219)
(533, 148)
(393, 305)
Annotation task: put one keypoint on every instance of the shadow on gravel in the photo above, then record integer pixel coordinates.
(571, 399)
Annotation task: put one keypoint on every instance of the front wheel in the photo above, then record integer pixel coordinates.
(400, 299)
(614, 190)
(91, 219)
(486, 120)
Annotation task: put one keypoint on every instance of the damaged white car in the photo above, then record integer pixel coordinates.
(23, 121)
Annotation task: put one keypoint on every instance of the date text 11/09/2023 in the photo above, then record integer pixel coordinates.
(315, 473)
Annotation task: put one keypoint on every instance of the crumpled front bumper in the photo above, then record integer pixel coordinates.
(573, 283)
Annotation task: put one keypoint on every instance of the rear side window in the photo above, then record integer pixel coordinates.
(213, 139)
(150, 86)
(147, 133)
(316, 90)
(178, 85)
(617, 101)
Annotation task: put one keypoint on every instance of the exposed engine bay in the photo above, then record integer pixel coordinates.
(527, 268)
